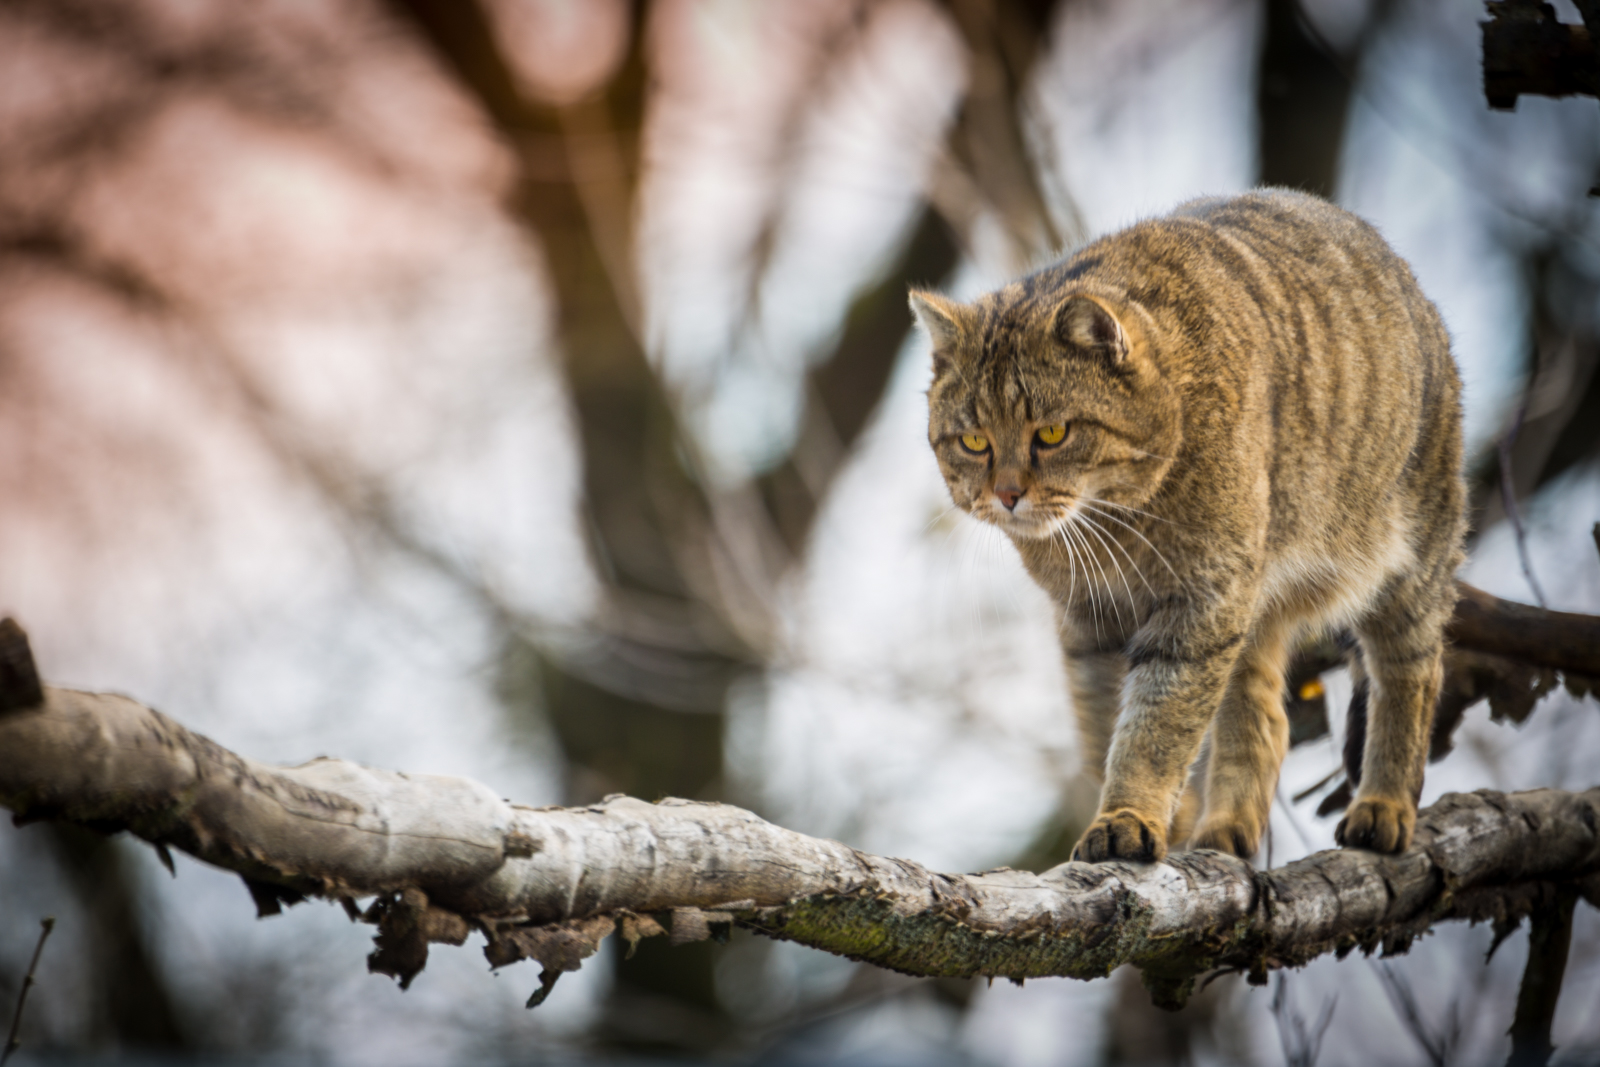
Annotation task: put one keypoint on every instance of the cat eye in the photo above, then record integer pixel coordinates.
(975, 443)
(1052, 435)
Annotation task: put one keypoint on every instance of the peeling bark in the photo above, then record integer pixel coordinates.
(446, 856)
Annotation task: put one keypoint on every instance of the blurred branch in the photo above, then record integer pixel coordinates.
(843, 390)
(1302, 1043)
(1302, 97)
(1562, 640)
(447, 856)
(1436, 1044)
(989, 141)
(1508, 497)
(126, 988)
(1549, 938)
(824, 55)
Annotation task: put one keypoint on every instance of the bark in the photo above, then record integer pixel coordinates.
(447, 856)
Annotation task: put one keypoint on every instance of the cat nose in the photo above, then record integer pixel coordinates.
(1009, 495)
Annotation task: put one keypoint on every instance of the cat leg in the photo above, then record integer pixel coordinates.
(1192, 802)
(1175, 682)
(1402, 645)
(1248, 742)
(1095, 681)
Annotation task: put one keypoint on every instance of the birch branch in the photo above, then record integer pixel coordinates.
(446, 856)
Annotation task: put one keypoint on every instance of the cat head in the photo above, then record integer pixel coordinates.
(1046, 403)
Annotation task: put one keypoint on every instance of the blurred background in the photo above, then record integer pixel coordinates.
(524, 389)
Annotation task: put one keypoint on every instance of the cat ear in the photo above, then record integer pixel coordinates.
(1083, 322)
(943, 318)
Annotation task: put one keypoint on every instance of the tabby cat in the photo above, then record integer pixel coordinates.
(1207, 435)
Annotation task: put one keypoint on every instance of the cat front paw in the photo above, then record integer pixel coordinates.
(1233, 835)
(1123, 834)
(1381, 824)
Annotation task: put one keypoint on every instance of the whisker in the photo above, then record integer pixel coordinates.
(1136, 511)
(969, 571)
(1072, 558)
(1058, 543)
(1124, 550)
(1110, 595)
(1101, 536)
(1088, 552)
(1066, 532)
(1090, 504)
(937, 517)
(944, 545)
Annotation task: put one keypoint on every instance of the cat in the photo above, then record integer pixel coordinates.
(1207, 435)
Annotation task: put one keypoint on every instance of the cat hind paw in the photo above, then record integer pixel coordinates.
(1381, 824)
(1123, 834)
(1232, 836)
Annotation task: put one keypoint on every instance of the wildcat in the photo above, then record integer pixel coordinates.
(1208, 434)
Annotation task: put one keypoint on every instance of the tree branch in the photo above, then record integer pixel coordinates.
(1528, 51)
(1549, 937)
(1561, 640)
(446, 856)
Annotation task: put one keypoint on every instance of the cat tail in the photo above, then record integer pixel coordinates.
(1355, 719)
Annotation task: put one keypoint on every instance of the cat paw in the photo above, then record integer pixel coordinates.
(1235, 836)
(1377, 823)
(1123, 834)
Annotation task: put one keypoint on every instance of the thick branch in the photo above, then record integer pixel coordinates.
(1562, 640)
(1549, 938)
(446, 855)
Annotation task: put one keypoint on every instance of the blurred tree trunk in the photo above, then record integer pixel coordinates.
(127, 997)
(844, 389)
(1302, 96)
(637, 708)
(658, 639)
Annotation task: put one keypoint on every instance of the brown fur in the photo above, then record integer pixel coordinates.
(1264, 438)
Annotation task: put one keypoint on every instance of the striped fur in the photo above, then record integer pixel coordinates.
(1264, 439)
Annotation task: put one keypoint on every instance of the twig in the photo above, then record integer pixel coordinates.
(14, 1042)
(1508, 495)
(1549, 937)
(1294, 821)
(1437, 1046)
(1301, 1044)
(1324, 780)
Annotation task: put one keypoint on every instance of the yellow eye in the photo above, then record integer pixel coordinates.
(1311, 690)
(1052, 435)
(974, 442)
